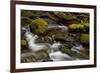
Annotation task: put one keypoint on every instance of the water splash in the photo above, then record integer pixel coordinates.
(78, 48)
(31, 38)
(59, 56)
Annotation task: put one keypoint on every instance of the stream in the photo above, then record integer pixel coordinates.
(52, 51)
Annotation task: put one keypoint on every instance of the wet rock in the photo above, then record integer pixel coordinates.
(52, 16)
(28, 57)
(45, 39)
(24, 44)
(27, 13)
(58, 32)
(80, 52)
(25, 21)
(57, 27)
(66, 16)
(50, 21)
(40, 56)
(64, 37)
(66, 48)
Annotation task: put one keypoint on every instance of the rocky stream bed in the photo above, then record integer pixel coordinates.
(54, 36)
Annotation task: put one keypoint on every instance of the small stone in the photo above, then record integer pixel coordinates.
(24, 44)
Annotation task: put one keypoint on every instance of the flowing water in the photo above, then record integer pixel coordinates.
(52, 49)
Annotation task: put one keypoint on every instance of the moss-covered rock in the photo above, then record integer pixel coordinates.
(84, 38)
(39, 26)
(24, 44)
(79, 27)
(25, 21)
(76, 26)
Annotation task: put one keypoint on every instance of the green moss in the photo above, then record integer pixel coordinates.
(24, 44)
(39, 26)
(79, 27)
(84, 38)
(76, 26)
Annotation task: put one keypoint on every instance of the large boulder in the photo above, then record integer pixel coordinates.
(39, 26)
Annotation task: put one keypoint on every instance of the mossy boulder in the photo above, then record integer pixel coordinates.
(84, 38)
(39, 26)
(76, 26)
(25, 21)
(24, 44)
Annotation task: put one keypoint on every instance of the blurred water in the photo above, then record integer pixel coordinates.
(54, 26)
(53, 50)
